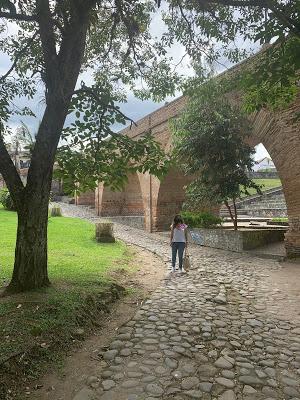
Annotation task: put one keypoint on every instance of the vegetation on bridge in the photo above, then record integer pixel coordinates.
(210, 144)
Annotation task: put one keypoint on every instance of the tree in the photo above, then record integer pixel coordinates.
(56, 40)
(218, 30)
(210, 144)
(93, 153)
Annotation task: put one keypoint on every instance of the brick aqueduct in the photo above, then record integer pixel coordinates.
(157, 201)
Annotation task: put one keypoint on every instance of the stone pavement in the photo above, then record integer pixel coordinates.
(218, 332)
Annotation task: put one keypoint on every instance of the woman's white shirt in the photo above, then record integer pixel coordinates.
(178, 235)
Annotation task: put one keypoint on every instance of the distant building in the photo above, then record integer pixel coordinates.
(22, 162)
(265, 164)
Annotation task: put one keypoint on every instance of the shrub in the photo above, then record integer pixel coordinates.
(6, 200)
(201, 220)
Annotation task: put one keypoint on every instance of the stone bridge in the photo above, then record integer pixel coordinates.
(157, 201)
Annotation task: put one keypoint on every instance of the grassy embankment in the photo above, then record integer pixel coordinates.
(35, 327)
(266, 184)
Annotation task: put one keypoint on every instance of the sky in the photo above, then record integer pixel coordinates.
(134, 108)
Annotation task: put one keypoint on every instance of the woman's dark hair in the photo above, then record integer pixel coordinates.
(177, 220)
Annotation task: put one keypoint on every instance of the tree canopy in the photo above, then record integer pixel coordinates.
(214, 31)
(54, 44)
(210, 143)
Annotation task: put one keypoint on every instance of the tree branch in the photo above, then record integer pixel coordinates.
(193, 36)
(19, 17)
(263, 4)
(239, 3)
(283, 17)
(112, 35)
(108, 106)
(10, 174)
(18, 56)
(48, 40)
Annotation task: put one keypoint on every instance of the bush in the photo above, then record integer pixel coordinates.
(6, 200)
(201, 220)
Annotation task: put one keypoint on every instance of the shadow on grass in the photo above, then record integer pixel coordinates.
(40, 326)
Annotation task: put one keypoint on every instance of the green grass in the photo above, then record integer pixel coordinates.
(74, 255)
(40, 322)
(266, 184)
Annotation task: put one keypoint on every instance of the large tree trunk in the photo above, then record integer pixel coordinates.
(30, 268)
(62, 70)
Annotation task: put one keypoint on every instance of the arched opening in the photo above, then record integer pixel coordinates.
(124, 206)
(86, 199)
(133, 200)
(279, 133)
(271, 203)
(169, 200)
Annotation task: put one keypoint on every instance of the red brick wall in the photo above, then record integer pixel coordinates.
(86, 199)
(278, 132)
(169, 199)
(126, 202)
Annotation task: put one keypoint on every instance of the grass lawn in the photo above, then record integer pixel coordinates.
(266, 184)
(36, 323)
(280, 219)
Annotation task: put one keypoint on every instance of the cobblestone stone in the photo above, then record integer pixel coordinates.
(181, 344)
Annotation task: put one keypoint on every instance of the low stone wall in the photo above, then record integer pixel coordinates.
(135, 221)
(236, 240)
(268, 212)
(278, 223)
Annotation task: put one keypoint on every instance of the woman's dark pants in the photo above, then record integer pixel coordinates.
(177, 247)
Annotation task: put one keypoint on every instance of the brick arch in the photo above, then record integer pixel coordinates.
(168, 198)
(279, 132)
(128, 202)
(86, 199)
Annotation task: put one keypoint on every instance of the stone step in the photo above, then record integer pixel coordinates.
(262, 207)
(259, 212)
(267, 202)
(270, 204)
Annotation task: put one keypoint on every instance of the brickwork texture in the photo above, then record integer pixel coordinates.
(158, 200)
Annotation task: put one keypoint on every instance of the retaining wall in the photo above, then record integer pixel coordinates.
(132, 220)
(236, 240)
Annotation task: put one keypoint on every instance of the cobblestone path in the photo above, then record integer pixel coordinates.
(217, 332)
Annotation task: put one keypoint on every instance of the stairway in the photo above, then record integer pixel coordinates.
(268, 205)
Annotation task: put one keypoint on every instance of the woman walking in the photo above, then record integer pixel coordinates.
(178, 241)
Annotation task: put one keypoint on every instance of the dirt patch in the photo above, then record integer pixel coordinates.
(30, 342)
(63, 382)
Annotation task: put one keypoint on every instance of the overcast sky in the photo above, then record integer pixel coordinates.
(134, 108)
